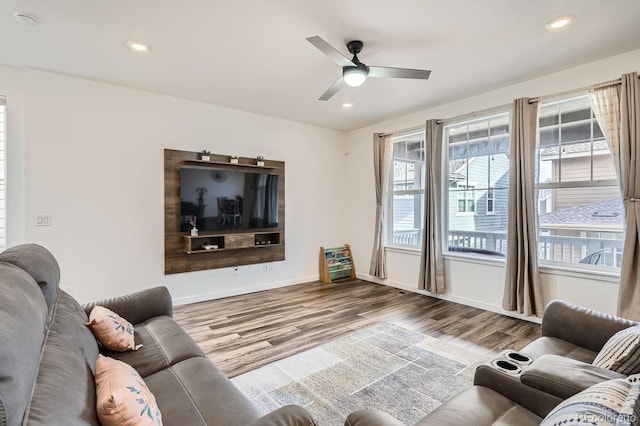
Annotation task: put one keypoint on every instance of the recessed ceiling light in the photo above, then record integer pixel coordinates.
(558, 23)
(347, 104)
(25, 19)
(137, 46)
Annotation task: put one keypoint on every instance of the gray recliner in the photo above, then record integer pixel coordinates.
(571, 337)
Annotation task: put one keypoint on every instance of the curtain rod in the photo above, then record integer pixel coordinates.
(580, 89)
(403, 131)
(486, 111)
(451, 119)
(499, 108)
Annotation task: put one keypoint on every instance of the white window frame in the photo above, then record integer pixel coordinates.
(389, 243)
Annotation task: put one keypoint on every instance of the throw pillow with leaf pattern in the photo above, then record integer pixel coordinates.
(123, 397)
(113, 331)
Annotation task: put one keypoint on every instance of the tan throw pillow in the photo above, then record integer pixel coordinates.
(113, 331)
(614, 402)
(621, 353)
(123, 398)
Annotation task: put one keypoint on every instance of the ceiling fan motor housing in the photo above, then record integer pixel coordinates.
(355, 47)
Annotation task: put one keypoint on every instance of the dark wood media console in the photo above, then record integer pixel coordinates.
(225, 247)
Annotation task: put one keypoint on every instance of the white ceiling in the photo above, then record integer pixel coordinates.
(252, 55)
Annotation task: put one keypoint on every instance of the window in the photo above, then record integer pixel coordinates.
(580, 212)
(3, 206)
(407, 191)
(491, 201)
(478, 177)
(466, 198)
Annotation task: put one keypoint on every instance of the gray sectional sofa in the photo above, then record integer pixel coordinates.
(571, 337)
(48, 355)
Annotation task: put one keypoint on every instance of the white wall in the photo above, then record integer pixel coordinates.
(471, 282)
(94, 160)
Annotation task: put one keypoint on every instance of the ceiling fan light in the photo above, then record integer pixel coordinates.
(354, 76)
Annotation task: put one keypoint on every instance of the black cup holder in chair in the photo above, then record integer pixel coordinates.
(518, 358)
(506, 367)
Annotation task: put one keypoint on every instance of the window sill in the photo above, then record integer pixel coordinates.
(482, 259)
(611, 275)
(404, 250)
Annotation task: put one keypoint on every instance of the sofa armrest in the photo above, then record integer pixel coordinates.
(140, 306)
(564, 377)
(289, 415)
(371, 417)
(584, 327)
(534, 400)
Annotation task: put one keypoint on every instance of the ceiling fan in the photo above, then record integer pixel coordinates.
(354, 72)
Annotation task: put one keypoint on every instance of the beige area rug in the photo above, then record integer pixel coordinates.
(385, 366)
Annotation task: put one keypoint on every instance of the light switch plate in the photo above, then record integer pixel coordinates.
(43, 219)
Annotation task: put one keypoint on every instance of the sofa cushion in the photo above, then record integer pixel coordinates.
(621, 353)
(113, 331)
(614, 402)
(563, 376)
(65, 388)
(23, 314)
(554, 346)
(480, 406)
(38, 262)
(194, 392)
(123, 397)
(164, 343)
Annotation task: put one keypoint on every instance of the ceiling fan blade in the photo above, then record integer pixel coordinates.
(332, 53)
(337, 85)
(386, 72)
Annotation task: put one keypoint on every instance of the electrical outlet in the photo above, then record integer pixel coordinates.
(43, 219)
(236, 271)
(267, 267)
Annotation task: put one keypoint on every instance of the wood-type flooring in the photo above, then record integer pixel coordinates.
(242, 333)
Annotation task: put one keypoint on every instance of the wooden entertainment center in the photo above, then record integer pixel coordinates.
(224, 247)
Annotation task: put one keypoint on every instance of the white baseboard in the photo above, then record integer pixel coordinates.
(241, 290)
(450, 297)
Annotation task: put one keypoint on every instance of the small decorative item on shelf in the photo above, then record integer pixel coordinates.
(205, 155)
(234, 159)
(194, 230)
(260, 161)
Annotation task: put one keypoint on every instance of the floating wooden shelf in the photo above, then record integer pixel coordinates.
(198, 244)
(226, 163)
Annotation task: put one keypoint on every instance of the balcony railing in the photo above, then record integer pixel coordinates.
(596, 251)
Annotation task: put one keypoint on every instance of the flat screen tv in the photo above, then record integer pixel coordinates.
(227, 200)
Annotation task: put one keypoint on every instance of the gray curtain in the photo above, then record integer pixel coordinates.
(382, 157)
(629, 291)
(522, 288)
(431, 262)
